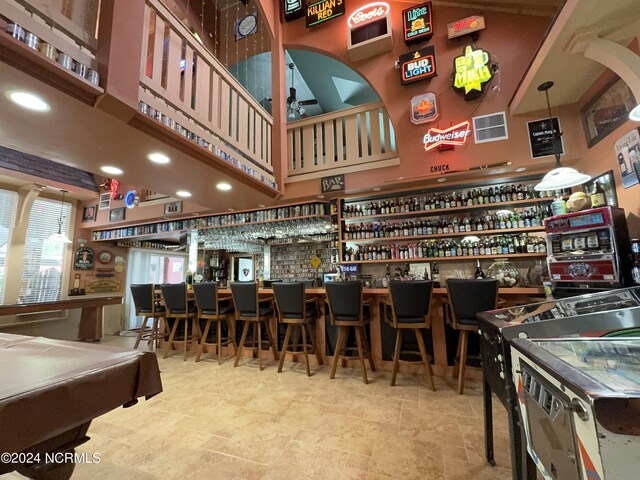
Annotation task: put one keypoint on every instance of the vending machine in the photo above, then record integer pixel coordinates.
(588, 251)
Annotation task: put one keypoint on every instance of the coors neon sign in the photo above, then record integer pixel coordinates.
(446, 138)
(368, 13)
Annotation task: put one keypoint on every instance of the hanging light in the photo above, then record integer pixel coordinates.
(60, 237)
(560, 177)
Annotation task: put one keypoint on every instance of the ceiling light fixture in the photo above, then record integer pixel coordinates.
(60, 237)
(224, 186)
(376, 189)
(440, 180)
(159, 158)
(560, 177)
(29, 101)
(320, 196)
(183, 194)
(520, 169)
(108, 169)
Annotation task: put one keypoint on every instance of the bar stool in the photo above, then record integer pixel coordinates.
(346, 309)
(214, 308)
(144, 301)
(299, 313)
(467, 298)
(178, 308)
(410, 304)
(248, 308)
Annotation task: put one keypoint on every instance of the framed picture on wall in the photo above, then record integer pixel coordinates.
(608, 183)
(89, 213)
(105, 201)
(627, 151)
(607, 111)
(117, 214)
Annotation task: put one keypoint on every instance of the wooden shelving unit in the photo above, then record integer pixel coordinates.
(445, 259)
(474, 233)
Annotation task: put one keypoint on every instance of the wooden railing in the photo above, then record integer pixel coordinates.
(347, 140)
(70, 27)
(181, 79)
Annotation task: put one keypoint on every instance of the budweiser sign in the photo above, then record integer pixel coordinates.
(449, 137)
(368, 13)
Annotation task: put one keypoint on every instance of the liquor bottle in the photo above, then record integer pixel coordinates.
(479, 273)
(435, 275)
(597, 196)
(635, 268)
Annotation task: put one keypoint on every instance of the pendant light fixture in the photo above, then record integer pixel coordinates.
(60, 237)
(560, 177)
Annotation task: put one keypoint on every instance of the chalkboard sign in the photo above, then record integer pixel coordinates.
(541, 137)
(334, 183)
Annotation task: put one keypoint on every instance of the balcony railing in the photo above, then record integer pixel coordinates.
(185, 84)
(347, 140)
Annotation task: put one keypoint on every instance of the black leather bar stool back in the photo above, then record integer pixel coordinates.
(179, 309)
(467, 298)
(143, 296)
(346, 310)
(213, 308)
(410, 304)
(300, 315)
(252, 310)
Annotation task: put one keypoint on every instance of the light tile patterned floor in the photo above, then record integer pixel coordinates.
(220, 422)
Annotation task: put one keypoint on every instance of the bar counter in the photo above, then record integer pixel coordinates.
(378, 296)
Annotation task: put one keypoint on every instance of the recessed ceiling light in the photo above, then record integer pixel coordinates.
(521, 169)
(261, 206)
(111, 170)
(29, 101)
(320, 196)
(183, 193)
(224, 186)
(232, 209)
(440, 180)
(376, 189)
(160, 158)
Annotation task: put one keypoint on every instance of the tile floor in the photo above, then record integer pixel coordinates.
(219, 422)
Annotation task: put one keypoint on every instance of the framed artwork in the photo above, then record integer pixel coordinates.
(607, 111)
(627, 150)
(117, 214)
(608, 183)
(105, 201)
(89, 213)
(171, 208)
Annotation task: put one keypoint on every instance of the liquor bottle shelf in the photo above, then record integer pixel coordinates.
(476, 233)
(445, 259)
(447, 211)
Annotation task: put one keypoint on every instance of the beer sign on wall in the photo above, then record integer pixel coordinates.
(448, 138)
(424, 108)
(418, 65)
(293, 9)
(319, 12)
(417, 23)
(464, 26)
(472, 72)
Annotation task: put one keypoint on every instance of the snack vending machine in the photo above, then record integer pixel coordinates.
(587, 251)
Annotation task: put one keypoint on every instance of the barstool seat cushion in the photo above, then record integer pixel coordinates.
(311, 313)
(467, 321)
(264, 311)
(411, 320)
(223, 311)
(192, 309)
(159, 309)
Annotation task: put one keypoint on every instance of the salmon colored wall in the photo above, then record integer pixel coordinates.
(511, 40)
(601, 157)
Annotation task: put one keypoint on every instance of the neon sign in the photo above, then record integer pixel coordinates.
(449, 137)
(419, 65)
(293, 9)
(417, 24)
(464, 26)
(472, 72)
(368, 13)
(324, 10)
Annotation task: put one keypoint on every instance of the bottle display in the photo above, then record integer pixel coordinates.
(435, 275)
(598, 198)
(479, 273)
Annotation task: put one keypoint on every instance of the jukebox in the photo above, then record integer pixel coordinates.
(594, 314)
(586, 250)
(580, 406)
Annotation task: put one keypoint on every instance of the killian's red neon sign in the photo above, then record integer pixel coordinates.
(368, 13)
(449, 137)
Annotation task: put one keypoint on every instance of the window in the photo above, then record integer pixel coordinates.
(43, 260)
(8, 202)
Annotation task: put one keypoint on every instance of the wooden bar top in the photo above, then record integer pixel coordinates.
(68, 304)
(533, 291)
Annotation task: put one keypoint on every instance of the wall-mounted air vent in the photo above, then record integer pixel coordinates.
(490, 128)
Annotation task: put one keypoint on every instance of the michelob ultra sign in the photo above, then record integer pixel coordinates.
(418, 65)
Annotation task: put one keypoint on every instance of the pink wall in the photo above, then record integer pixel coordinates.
(511, 40)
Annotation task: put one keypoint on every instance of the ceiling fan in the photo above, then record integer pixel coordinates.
(295, 106)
